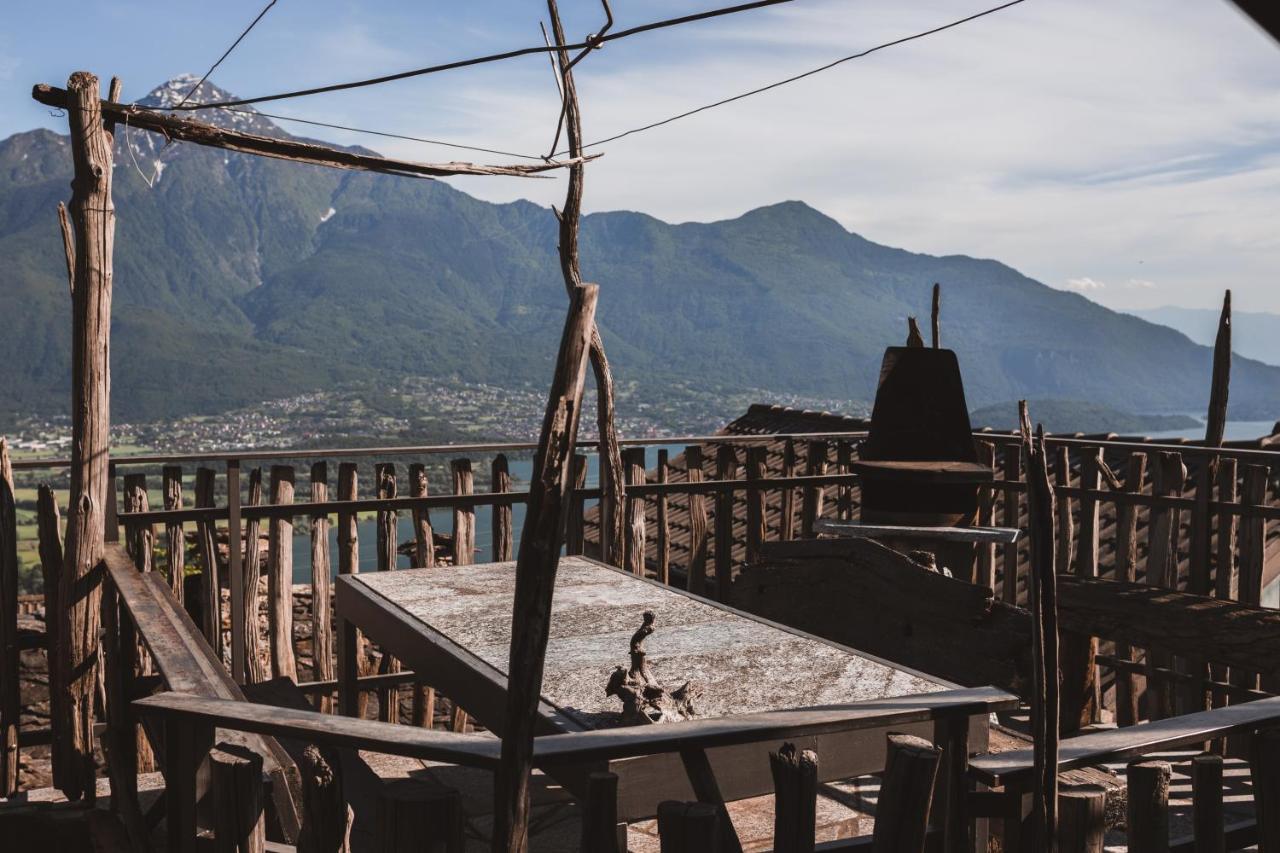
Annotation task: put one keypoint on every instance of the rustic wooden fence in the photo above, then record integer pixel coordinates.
(714, 504)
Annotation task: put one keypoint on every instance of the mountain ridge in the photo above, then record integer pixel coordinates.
(241, 278)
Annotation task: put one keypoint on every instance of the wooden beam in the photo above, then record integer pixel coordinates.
(188, 130)
(536, 566)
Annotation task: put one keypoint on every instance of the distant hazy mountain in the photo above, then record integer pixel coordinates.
(1074, 416)
(1256, 334)
(240, 278)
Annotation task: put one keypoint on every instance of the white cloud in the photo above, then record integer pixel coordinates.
(1085, 285)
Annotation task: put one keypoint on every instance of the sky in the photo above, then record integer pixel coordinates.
(1129, 151)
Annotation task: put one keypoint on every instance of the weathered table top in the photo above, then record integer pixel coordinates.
(741, 663)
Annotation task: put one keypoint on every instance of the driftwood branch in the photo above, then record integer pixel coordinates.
(644, 699)
(914, 338)
(199, 133)
(935, 315)
(68, 247)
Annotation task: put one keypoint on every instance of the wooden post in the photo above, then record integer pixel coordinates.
(787, 498)
(633, 468)
(210, 588)
(10, 693)
(1082, 819)
(795, 799)
(1224, 574)
(174, 536)
(906, 793)
(240, 616)
(757, 468)
(536, 567)
(1148, 814)
(574, 528)
(141, 537)
(1042, 596)
(1066, 525)
(1079, 651)
(726, 469)
(464, 517)
(236, 781)
(844, 492)
(1168, 475)
(122, 736)
(600, 827)
(1264, 769)
(1012, 471)
(351, 651)
(93, 219)
(934, 315)
(280, 577)
(321, 587)
(414, 816)
(257, 665)
(1206, 793)
(1091, 479)
(811, 506)
(388, 540)
(423, 535)
(326, 817)
(1127, 570)
(986, 553)
(688, 827)
(500, 483)
(696, 578)
(663, 523)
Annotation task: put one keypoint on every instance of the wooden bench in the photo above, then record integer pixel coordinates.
(186, 665)
(1014, 771)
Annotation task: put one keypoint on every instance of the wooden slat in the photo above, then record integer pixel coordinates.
(388, 541)
(206, 536)
(696, 570)
(727, 469)
(634, 474)
(787, 500)
(502, 534)
(1010, 518)
(985, 558)
(464, 517)
(1126, 703)
(257, 664)
(280, 577)
(575, 538)
(423, 535)
(10, 693)
(1168, 474)
(811, 505)
(1225, 580)
(175, 538)
(322, 647)
(662, 545)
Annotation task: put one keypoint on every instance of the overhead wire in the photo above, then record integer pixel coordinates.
(225, 54)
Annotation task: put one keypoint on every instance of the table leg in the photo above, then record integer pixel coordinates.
(348, 668)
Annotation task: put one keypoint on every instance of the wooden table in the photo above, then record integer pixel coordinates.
(452, 626)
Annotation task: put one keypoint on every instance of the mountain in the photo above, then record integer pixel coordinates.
(1068, 416)
(241, 278)
(1253, 334)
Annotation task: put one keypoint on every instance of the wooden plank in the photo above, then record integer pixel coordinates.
(575, 533)
(727, 469)
(240, 615)
(141, 537)
(10, 692)
(500, 483)
(257, 664)
(702, 778)
(634, 471)
(423, 535)
(239, 822)
(985, 558)
(1112, 745)
(795, 785)
(1207, 814)
(787, 500)
(811, 505)
(175, 537)
(600, 828)
(1082, 824)
(696, 571)
(388, 541)
(1147, 823)
(280, 577)
(1010, 518)
(322, 651)
(1087, 548)
(351, 645)
(1168, 474)
(979, 535)
(844, 492)
(1264, 770)
(540, 543)
(93, 217)
(1066, 526)
(757, 529)
(464, 517)
(199, 133)
(1126, 702)
(414, 815)
(688, 827)
(206, 537)
(661, 521)
(906, 793)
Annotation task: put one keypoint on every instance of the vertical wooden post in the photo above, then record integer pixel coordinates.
(1264, 769)
(464, 517)
(388, 540)
(600, 827)
(1066, 525)
(423, 535)
(906, 793)
(574, 529)
(951, 733)
(1010, 516)
(536, 566)
(1079, 651)
(10, 694)
(326, 817)
(238, 803)
(757, 462)
(1224, 574)
(787, 498)
(1082, 819)
(811, 507)
(844, 492)
(351, 652)
(1168, 475)
(413, 816)
(500, 483)
(93, 218)
(185, 745)
(321, 587)
(210, 588)
(633, 469)
(257, 665)
(123, 736)
(1148, 818)
(1206, 794)
(663, 523)
(934, 315)
(280, 576)
(141, 537)
(726, 469)
(688, 827)
(795, 798)
(240, 616)
(1042, 596)
(1127, 570)
(696, 577)
(986, 553)
(174, 536)
(1091, 479)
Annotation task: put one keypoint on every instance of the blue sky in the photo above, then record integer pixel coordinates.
(1129, 151)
